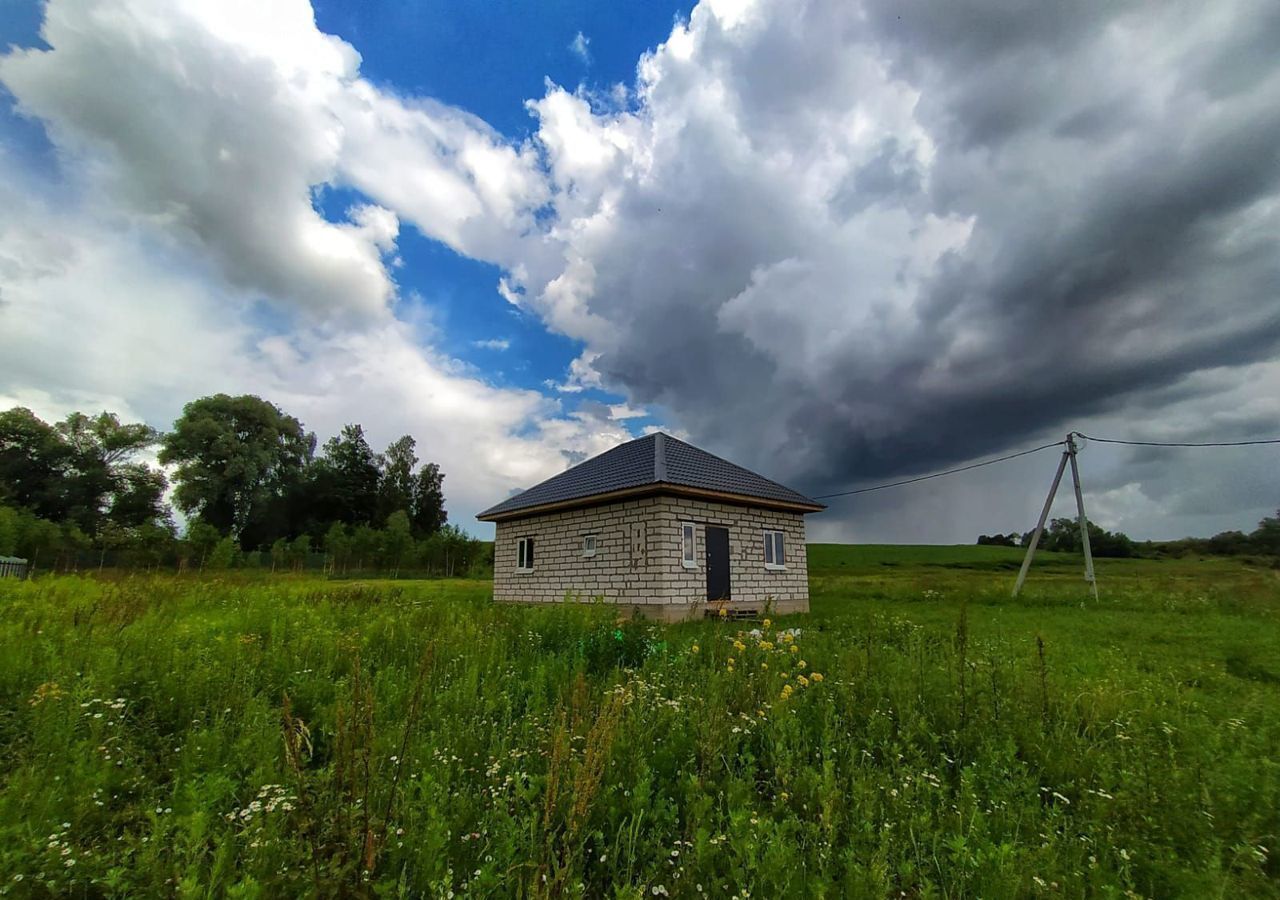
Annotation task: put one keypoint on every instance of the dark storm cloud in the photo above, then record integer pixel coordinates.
(961, 228)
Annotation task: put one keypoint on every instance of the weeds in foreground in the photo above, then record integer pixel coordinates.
(314, 739)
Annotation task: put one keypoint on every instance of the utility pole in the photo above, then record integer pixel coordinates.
(1068, 455)
(1084, 521)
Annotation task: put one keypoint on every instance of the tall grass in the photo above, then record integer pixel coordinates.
(195, 737)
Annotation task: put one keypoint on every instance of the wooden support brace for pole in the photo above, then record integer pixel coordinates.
(1044, 514)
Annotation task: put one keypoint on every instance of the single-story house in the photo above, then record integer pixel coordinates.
(658, 525)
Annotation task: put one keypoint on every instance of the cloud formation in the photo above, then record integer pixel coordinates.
(835, 241)
(903, 236)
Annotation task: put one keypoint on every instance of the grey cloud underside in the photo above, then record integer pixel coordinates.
(1125, 235)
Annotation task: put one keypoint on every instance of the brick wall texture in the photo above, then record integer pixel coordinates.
(638, 561)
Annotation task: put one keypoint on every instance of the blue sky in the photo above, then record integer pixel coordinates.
(489, 58)
(486, 58)
(837, 241)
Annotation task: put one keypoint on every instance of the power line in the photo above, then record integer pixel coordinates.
(1176, 443)
(987, 462)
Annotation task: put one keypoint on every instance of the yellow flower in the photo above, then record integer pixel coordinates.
(787, 691)
(764, 665)
(804, 682)
(786, 638)
(723, 612)
(767, 623)
(731, 660)
(784, 675)
(765, 645)
(795, 649)
(817, 676)
(739, 646)
(802, 664)
(784, 796)
(695, 648)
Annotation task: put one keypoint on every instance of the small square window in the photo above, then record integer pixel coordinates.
(588, 545)
(688, 546)
(775, 555)
(524, 555)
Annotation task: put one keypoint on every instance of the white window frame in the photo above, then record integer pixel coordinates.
(775, 541)
(688, 551)
(590, 543)
(522, 554)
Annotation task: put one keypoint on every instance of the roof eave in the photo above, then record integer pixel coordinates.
(646, 490)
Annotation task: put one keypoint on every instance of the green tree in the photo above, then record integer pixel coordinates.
(35, 463)
(364, 546)
(151, 545)
(397, 541)
(137, 496)
(1266, 537)
(202, 538)
(299, 550)
(41, 542)
(74, 544)
(279, 554)
(102, 474)
(349, 472)
(236, 457)
(223, 555)
(396, 489)
(338, 546)
(9, 531)
(428, 514)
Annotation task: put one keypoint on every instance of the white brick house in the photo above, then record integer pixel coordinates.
(658, 525)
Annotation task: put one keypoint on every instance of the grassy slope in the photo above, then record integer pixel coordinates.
(942, 755)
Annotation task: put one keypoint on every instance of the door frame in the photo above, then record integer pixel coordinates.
(728, 557)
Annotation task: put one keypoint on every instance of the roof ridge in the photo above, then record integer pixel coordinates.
(741, 468)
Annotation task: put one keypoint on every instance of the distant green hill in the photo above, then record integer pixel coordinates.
(833, 559)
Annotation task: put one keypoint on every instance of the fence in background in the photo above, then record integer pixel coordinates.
(12, 567)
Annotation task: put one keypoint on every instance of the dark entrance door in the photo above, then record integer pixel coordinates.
(717, 563)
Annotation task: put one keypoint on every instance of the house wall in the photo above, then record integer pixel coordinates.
(638, 557)
(749, 581)
(619, 572)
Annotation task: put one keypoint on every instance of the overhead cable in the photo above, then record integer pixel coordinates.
(979, 465)
(1176, 443)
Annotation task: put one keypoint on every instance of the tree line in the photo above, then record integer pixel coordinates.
(1063, 535)
(252, 488)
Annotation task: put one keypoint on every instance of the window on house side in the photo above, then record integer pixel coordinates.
(588, 545)
(688, 546)
(775, 555)
(524, 555)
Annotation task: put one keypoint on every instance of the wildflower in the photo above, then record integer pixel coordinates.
(739, 646)
(794, 649)
(695, 648)
(765, 645)
(785, 674)
(731, 660)
(802, 664)
(767, 623)
(816, 676)
(764, 665)
(723, 612)
(804, 682)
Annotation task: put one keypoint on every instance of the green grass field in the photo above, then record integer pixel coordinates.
(277, 737)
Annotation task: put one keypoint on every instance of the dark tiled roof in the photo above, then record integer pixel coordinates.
(654, 459)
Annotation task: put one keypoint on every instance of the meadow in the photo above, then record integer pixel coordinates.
(919, 734)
